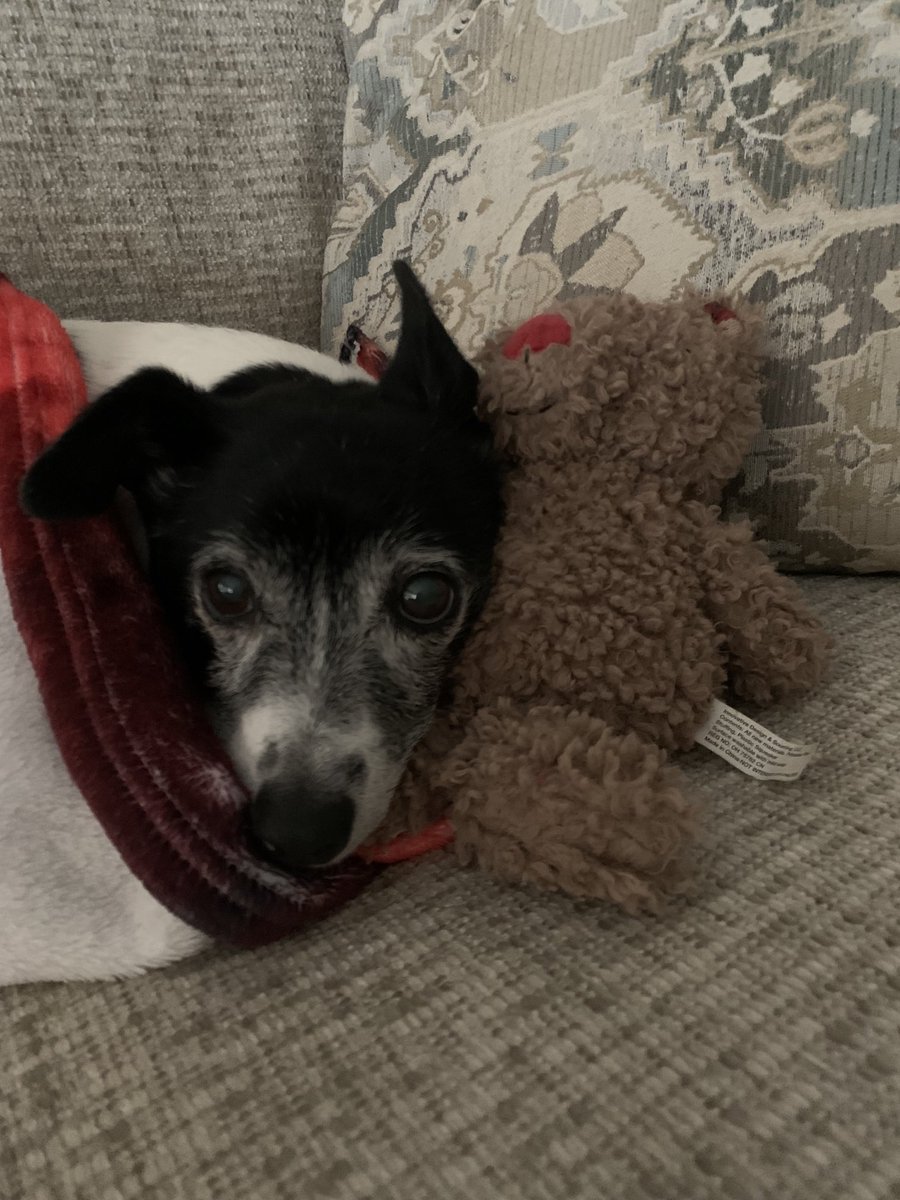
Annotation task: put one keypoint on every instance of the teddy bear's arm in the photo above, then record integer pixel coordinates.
(560, 799)
(776, 647)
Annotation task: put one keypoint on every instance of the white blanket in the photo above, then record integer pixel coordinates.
(70, 908)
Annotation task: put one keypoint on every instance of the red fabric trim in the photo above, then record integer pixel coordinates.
(405, 846)
(364, 352)
(719, 312)
(135, 741)
(546, 329)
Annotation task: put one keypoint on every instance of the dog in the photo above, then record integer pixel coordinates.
(320, 544)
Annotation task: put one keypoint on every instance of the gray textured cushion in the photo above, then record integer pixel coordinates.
(447, 1038)
(171, 159)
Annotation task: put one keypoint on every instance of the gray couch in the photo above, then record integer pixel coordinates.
(169, 160)
(443, 1036)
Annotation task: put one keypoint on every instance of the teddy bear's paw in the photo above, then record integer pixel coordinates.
(781, 654)
(561, 800)
(776, 647)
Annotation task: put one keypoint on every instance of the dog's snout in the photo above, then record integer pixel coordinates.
(296, 828)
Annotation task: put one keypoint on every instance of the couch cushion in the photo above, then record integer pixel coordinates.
(171, 160)
(447, 1037)
(523, 152)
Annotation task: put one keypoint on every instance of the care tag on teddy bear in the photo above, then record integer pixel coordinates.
(751, 747)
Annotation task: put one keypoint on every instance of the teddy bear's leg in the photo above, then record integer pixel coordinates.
(776, 647)
(560, 799)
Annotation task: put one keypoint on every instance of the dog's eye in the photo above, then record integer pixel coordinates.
(427, 598)
(228, 594)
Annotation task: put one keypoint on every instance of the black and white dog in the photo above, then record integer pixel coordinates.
(321, 547)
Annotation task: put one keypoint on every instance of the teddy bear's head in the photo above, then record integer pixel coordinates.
(670, 389)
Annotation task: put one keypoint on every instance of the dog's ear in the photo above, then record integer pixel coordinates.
(139, 435)
(428, 370)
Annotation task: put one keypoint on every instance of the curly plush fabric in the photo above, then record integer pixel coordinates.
(622, 604)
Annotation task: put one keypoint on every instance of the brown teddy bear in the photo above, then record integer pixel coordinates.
(623, 604)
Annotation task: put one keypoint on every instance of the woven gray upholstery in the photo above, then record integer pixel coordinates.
(171, 159)
(447, 1038)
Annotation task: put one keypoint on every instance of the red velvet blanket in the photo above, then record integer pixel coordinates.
(135, 740)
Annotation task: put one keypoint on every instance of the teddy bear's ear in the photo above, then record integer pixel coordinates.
(547, 329)
(428, 369)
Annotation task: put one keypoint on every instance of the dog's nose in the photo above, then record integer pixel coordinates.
(294, 828)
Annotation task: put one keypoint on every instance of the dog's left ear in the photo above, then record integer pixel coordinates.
(142, 435)
(428, 369)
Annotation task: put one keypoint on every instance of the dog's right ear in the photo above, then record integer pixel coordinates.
(428, 369)
(139, 435)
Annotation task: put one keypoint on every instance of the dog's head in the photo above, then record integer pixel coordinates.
(321, 550)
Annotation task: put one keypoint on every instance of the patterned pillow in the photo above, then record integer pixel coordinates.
(517, 151)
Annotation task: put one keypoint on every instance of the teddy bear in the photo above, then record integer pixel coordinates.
(623, 602)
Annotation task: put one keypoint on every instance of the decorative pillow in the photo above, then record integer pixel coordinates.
(521, 152)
